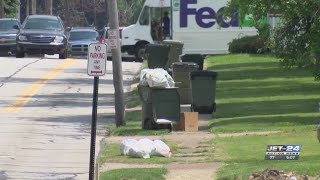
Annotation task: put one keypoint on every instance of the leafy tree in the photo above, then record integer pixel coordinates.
(10, 8)
(129, 11)
(297, 40)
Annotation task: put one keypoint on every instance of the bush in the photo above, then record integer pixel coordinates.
(248, 44)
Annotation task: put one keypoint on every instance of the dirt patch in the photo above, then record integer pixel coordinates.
(203, 171)
(271, 174)
(247, 133)
(111, 166)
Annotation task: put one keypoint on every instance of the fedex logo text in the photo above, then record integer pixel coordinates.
(205, 17)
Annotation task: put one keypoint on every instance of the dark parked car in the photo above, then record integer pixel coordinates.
(80, 38)
(42, 34)
(8, 35)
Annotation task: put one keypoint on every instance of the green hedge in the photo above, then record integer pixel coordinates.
(248, 44)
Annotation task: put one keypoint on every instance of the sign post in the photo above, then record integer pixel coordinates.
(97, 57)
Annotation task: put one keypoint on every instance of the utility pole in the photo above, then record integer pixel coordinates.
(1, 9)
(33, 9)
(48, 7)
(67, 12)
(95, 13)
(117, 64)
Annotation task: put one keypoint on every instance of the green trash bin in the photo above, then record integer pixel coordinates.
(203, 85)
(157, 55)
(196, 58)
(174, 53)
(181, 76)
(159, 104)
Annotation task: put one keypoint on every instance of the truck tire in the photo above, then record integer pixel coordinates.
(140, 52)
(20, 54)
(63, 55)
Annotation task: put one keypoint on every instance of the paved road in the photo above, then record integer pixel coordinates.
(45, 111)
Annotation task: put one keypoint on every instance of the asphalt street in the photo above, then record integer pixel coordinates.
(45, 111)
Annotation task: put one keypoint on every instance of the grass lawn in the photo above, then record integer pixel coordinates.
(255, 94)
(134, 100)
(245, 155)
(135, 174)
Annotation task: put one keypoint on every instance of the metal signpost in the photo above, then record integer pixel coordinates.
(97, 58)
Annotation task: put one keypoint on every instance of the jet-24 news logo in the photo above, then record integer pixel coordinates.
(282, 152)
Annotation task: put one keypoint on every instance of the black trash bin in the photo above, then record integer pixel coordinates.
(181, 77)
(159, 105)
(195, 58)
(157, 55)
(203, 85)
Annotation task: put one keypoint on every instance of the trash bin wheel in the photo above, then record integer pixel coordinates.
(140, 51)
(147, 124)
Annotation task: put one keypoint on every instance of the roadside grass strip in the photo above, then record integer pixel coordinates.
(255, 94)
(34, 88)
(135, 173)
(244, 155)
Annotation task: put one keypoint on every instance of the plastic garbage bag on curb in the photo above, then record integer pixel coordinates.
(144, 148)
(162, 149)
(125, 146)
(156, 78)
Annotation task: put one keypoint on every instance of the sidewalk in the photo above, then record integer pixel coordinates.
(193, 161)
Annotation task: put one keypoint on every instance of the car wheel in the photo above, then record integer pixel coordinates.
(19, 54)
(64, 55)
(140, 52)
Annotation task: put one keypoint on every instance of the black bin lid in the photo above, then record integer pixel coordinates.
(203, 73)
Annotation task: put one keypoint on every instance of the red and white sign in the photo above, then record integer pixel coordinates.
(97, 59)
(113, 40)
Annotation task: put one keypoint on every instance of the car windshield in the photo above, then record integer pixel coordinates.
(47, 24)
(7, 25)
(83, 35)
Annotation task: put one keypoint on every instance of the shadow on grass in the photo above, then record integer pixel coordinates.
(265, 91)
(137, 173)
(255, 90)
(134, 127)
(285, 120)
(267, 108)
(244, 66)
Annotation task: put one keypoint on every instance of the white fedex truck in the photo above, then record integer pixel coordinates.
(200, 24)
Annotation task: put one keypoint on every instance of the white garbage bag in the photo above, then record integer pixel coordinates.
(144, 148)
(156, 78)
(143, 79)
(161, 149)
(126, 145)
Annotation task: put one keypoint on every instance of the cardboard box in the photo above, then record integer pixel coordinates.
(188, 122)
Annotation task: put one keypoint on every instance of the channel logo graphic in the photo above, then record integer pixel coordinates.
(282, 152)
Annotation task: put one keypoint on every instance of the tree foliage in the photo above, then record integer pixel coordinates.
(129, 11)
(10, 8)
(297, 40)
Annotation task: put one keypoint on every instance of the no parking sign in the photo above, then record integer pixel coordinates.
(97, 58)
